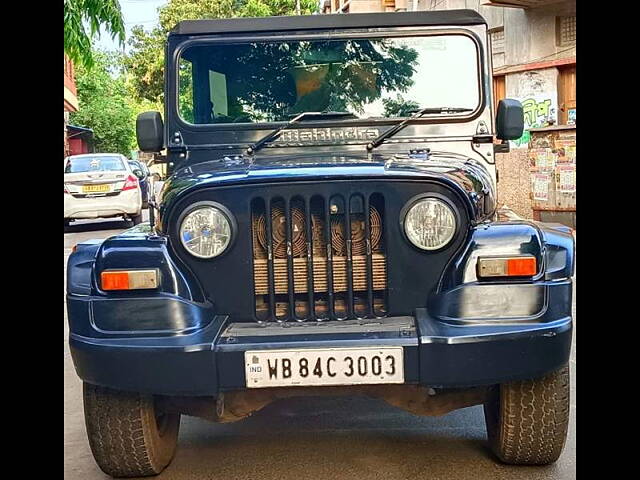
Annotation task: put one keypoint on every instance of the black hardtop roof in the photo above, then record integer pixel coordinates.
(330, 21)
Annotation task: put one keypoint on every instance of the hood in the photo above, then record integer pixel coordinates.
(468, 177)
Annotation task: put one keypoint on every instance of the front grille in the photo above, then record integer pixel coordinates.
(302, 235)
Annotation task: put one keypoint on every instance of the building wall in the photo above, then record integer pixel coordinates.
(70, 92)
(514, 181)
(530, 34)
(364, 6)
(78, 146)
(70, 98)
(530, 59)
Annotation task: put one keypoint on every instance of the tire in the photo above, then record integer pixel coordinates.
(126, 435)
(527, 421)
(66, 222)
(137, 219)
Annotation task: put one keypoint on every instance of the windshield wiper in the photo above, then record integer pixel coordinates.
(417, 114)
(276, 133)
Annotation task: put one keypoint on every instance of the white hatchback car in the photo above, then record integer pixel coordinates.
(98, 185)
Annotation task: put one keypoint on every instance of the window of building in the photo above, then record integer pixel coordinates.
(566, 30)
(497, 47)
(497, 40)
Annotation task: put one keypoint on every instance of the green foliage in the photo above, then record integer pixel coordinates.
(262, 79)
(145, 60)
(77, 41)
(105, 104)
(145, 63)
(399, 107)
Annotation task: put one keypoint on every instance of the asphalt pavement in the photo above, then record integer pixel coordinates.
(304, 438)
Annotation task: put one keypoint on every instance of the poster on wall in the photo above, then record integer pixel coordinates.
(566, 151)
(537, 90)
(566, 175)
(539, 111)
(541, 183)
(543, 158)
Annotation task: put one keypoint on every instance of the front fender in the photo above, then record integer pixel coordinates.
(551, 245)
(178, 306)
(464, 298)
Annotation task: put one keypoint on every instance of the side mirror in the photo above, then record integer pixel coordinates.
(138, 173)
(509, 120)
(150, 132)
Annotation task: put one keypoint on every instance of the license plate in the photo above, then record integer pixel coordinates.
(96, 188)
(327, 366)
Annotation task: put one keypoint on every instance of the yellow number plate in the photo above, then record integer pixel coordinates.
(95, 188)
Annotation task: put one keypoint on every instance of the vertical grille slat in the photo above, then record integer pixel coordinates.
(327, 240)
(318, 257)
(308, 228)
(347, 239)
(291, 305)
(369, 254)
(270, 267)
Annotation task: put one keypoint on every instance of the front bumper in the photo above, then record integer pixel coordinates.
(174, 341)
(210, 359)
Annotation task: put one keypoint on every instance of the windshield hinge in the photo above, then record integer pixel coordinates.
(482, 133)
(176, 144)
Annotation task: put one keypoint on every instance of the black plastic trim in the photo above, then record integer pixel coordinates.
(308, 22)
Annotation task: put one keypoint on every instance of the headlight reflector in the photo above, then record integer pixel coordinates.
(205, 232)
(430, 224)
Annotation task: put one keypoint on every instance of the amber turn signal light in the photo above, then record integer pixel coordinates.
(522, 266)
(129, 279)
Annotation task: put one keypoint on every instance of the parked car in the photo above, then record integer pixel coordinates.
(314, 253)
(145, 180)
(101, 185)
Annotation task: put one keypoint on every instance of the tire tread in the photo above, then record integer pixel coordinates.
(119, 433)
(532, 419)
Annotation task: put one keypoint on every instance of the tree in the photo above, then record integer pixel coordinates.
(96, 13)
(262, 80)
(105, 104)
(145, 60)
(399, 107)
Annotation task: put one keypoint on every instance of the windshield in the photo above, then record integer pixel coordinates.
(93, 164)
(370, 78)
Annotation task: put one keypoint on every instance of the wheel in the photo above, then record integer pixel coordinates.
(66, 222)
(527, 421)
(128, 436)
(137, 219)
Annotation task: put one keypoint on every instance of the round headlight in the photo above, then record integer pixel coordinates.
(205, 232)
(430, 224)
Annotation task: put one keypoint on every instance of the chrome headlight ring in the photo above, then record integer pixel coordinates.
(206, 229)
(430, 222)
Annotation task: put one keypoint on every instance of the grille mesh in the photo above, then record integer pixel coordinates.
(331, 237)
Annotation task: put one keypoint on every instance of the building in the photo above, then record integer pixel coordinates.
(79, 140)
(70, 98)
(533, 52)
(362, 6)
(534, 60)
